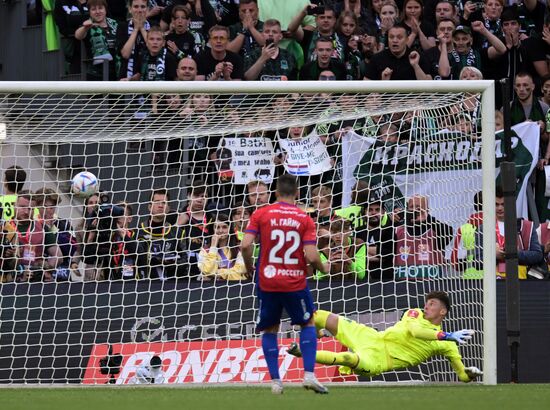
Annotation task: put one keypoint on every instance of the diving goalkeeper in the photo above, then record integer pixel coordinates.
(411, 341)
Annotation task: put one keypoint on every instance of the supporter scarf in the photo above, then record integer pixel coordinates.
(159, 64)
(459, 61)
(493, 27)
(468, 60)
(518, 115)
(130, 68)
(98, 39)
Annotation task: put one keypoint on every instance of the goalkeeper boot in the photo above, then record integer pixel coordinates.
(311, 383)
(277, 387)
(294, 350)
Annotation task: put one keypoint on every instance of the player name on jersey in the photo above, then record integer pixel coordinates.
(285, 222)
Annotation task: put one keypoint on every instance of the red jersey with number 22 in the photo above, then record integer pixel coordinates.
(283, 229)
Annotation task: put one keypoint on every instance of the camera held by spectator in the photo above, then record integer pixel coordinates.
(150, 373)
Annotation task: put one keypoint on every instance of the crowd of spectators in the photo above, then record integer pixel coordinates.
(297, 40)
(361, 242)
(226, 40)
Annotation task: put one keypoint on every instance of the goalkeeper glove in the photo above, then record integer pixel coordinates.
(460, 336)
(473, 372)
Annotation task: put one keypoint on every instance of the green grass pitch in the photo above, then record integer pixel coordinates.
(463, 397)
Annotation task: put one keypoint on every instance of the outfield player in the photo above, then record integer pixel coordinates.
(414, 339)
(287, 243)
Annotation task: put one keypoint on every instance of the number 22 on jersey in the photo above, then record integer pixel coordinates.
(284, 256)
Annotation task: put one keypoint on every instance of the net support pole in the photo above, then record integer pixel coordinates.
(508, 181)
(489, 282)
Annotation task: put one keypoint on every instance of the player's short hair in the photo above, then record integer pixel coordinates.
(441, 296)
(161, 191)
(14, 178)
(499, 192)
(44, 195)
(287, 185)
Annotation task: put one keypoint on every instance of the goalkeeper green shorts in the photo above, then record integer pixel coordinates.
(367, 343)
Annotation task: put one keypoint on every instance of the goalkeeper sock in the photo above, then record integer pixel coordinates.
(348, 359)
(308, 346)
(320, 318)
(271, 354)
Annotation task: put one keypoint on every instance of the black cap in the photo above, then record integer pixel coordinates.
(462, 29)
(509, 14)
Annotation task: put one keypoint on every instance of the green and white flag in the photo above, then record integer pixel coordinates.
(437, 167)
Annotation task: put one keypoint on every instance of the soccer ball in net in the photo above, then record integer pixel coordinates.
(84, 184)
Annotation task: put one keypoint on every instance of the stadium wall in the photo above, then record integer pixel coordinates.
(49, 331)
(23, 53)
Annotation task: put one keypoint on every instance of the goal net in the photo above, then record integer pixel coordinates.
(92, 289)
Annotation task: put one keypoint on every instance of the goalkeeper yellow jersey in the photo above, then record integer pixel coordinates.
(413, 340)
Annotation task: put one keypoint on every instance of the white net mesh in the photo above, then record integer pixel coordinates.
(388, 177)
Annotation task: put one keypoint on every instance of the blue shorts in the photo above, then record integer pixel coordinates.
(298, 305)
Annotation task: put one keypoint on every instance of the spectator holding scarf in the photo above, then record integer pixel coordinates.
(99, 35)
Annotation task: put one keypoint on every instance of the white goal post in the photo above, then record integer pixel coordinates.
(138, 137)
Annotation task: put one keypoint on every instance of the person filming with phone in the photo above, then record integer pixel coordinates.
(325, 26)
(270, 63)
(420, 242)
